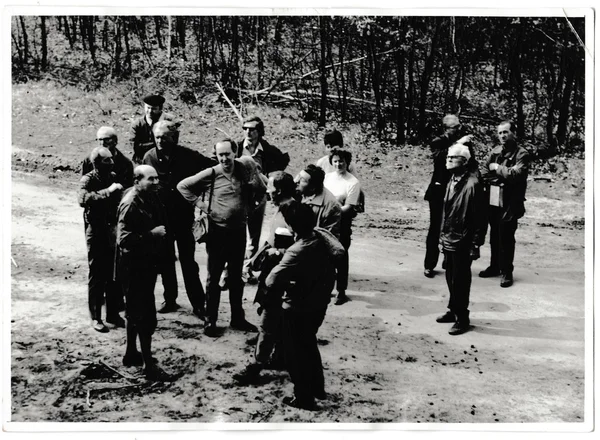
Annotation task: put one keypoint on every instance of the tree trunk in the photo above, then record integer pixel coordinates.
(91, 35)
(565, 105)
(128, 66)
(180, 30)
(426, 78)
(169, 37)
(235, 46)
(25, 40)
(117, 49)
(44, 37)
(400, 72)
(323, 71)
(259, 53)
(157, 26)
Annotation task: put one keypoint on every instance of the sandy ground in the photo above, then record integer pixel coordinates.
(385, 357)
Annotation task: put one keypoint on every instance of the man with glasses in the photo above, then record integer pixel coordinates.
(268, 159)
(122, 167)
(463, 232)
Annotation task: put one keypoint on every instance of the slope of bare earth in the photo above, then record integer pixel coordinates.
(385, 358)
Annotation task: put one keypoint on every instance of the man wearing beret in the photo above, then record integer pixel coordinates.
(173, 163)
(463, 232)
(141, 138)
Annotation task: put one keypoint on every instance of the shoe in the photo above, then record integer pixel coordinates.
(99, 326)
(210, 330)
(489, 272)
(168, 307)
(200, 313)
(507, 280)
(300, 404)
(275, 365)
(341, 299)
(157, 374)
(253, 340)
(459, 328)
(429, 273)
(117, 321)
(446, 317)
(320, 395)
(244, 326)
(248, 375)
(134, 359)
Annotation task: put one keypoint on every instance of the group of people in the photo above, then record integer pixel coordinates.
(463, 199)
(137, 211)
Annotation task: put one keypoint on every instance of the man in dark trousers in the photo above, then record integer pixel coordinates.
(437, 188)
(307, 275)
(141, 136)
(122, 167)
(268, 158)
(141, 239)
(173, 163)
(463, 232)
(99, 195)
(505, 175)
(232, 202)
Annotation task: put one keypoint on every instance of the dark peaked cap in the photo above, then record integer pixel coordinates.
(154, 100)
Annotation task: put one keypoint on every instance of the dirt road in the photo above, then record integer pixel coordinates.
(386, 358)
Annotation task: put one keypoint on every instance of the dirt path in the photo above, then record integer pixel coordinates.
(386, 359)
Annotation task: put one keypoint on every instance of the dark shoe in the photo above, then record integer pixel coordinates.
(300, 404)
(253, 340)
(275, 365)
(134, 359)
(210, 330)
(248, 375)
(446, 317)
(157, 374)
(320, 395)
(507, 280)
(249, 278)
(99, 326)
(243, 326)
(429, 273)
(200, 313)
(489, 272)
(341, 299)
(117, 321)
(168, 307)
(459, 328)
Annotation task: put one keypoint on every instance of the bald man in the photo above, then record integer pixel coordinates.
(463, 232)
(173, 163)
(99, 195)
(141, 240)
(122, 167)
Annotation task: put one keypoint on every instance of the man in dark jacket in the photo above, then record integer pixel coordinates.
(173, 163)
(268, 158)
(463, 232)
(141, 136)
(141, 232)
(99, 195)
(307, 274)
(122, 167)
(505, 174)
(437, 188)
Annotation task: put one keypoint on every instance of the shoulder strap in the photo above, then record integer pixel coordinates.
(212, 188)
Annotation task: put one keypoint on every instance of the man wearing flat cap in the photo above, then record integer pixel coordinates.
(173, 163)
(141, 138)
(463, 232)
(437, 187)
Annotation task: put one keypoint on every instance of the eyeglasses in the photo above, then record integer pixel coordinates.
(105, 139)
(249, 128)
(453, 157)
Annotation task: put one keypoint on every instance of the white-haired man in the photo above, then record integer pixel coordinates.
(122, 167)
(462, 233)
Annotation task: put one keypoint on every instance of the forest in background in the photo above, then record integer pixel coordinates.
(398, 75)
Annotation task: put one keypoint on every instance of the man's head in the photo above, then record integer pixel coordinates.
(299, 217)
(101, 157)
(280, 187)
(107, 137)
(153, 106)
(333, 139)
(310, 180)
(225, 152)
(457, 158)
(166, 134)
(145, 178)
(506, 133)
(451, 125)
(254, 129)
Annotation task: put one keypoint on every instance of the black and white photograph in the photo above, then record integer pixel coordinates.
(298, 219)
